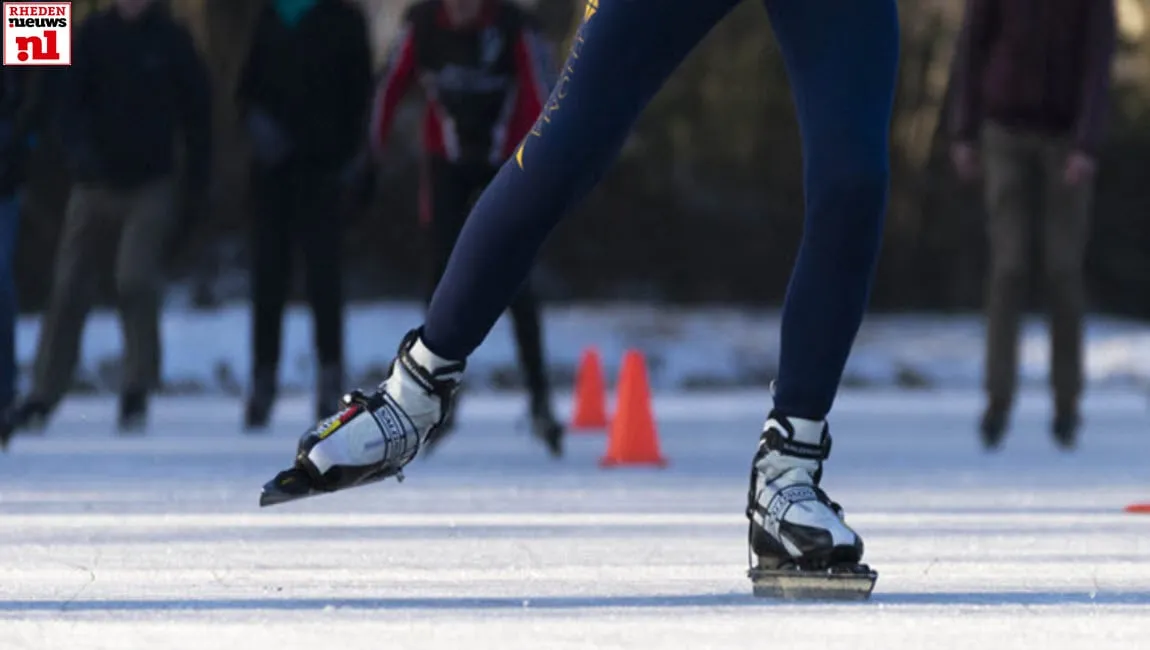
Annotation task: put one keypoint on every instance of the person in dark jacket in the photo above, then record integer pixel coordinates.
(24, 106)
(303, 96)
(1032, 79)
(486, 74)
(12, 156)
(136, 88)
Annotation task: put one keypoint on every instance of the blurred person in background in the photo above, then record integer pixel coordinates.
(485, 73)
(303, 96)
(136, 88)
(1032, 80)
(24, 108)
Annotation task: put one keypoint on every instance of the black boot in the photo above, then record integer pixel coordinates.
(546, 428)
(993, 426)
(133, 412)
(1065, 426)
(23, 414)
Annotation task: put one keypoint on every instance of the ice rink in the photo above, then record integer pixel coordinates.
(156, 542)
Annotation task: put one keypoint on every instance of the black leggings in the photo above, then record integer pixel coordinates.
(296, 207)
(451, 189)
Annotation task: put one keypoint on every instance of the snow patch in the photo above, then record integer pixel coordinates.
(686, 348)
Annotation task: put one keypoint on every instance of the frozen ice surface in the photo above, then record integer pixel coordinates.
(155, 542)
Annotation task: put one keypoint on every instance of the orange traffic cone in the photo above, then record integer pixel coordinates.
(590, 394)
(633, 439)
(1139, 508)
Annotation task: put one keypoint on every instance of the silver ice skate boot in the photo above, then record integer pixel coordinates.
(373, 437)
(800, 545)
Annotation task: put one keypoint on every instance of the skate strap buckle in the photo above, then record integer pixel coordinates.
(777, 441)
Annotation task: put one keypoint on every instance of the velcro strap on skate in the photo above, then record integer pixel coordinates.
(777, 441)
(441, 382)
(785, 498)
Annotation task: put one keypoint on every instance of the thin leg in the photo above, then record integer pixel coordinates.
(1008, 159)
(9, 229)
(90, 227)
(1065, 232)
(842, 59)
(621, 56)
(448, 194)
(148, 221)
(321, 239)
(271, 275)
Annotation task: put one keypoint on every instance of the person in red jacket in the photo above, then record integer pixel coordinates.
(486, 74)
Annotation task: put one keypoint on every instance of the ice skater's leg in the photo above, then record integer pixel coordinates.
(842, 58)
(620, 57)
(622, 54)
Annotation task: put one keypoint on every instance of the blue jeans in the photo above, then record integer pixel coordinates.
(9, 231)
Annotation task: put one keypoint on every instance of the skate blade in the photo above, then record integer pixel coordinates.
(852, 584)
(295, 484)
(289, 485)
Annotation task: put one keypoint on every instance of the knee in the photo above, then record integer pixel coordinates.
(1008, 270)
(846, 206)
(133, 288)
(1062, 268)
(850, 166)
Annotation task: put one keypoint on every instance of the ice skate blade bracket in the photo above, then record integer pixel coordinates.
(853, 584)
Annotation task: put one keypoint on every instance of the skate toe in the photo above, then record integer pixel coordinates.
(288, 485)
(842, 555)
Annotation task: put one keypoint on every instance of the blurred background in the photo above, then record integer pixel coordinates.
(700, 217)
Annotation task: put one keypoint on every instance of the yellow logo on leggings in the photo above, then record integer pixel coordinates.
(590, 8)
(560, 91)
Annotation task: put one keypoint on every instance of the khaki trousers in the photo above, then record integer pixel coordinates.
(1025, 190)
(136, 224)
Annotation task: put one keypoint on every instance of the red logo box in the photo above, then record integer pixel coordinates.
(37, 33)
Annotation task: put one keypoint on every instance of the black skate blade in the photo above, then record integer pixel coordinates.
(289, 485)
(295, 484)
(844, 583)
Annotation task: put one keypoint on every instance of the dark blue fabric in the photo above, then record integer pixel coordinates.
(9, 230)
(842, 58)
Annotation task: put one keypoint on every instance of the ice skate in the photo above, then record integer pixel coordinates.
(374, 436)
(547, 430)
(800, 545)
